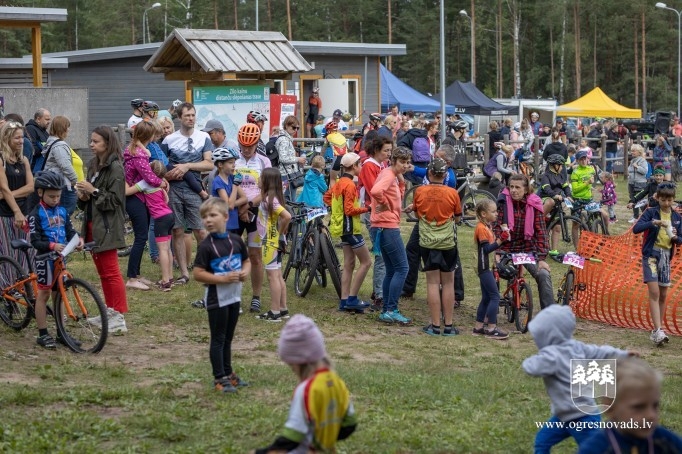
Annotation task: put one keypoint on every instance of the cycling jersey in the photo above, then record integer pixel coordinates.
(250, 171)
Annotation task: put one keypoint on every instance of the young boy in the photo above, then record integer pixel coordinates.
(552, 330)
(51, 229)
(225, 186)
(346, 223)
(554, 189)
(222, 264)
(314, 185)
(582, 179)
(661, 226)
(438, 208)
(649, 191)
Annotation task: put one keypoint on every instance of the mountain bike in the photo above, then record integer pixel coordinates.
(74, 301)
(517, 299)
(557, 217)
(591, 215)
(469, 196)
(564, 294)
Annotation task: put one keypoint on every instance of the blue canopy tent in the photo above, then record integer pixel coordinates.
(470, 100)
(395, 91)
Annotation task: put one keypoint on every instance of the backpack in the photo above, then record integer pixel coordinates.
(271, 151)
(491, 166)
(421, 150)
(39, 160)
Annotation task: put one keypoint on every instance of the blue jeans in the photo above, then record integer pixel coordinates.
(548, 437)
(139, 218)
(395, 259)
(68, 200)
(609, 164)
(153, 248)
(379, 268)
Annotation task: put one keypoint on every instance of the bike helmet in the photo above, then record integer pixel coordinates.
(331, 127)
(176, 103)
(375, 117)
(136, 103)
(149, 106)
(223, 154)
(248, 134)
(555, 159)
(505, 268)
(48, 179)
(459, 124)
(254, 117)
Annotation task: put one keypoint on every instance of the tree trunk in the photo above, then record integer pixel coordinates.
(473, 42)
(500, 64)
(551, 58)
(636, 65)
(594, 54)
(289, 18)
(215, 15)
(516, 26)
(269, 15)
(643, 64)
(563, 53)
(236, 20)
(576, 28)
(390, 36)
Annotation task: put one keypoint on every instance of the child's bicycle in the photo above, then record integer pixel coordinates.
(564, 295)
(75, 303)
(517, 299)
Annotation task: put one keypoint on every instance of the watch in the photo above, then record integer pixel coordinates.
(95, 193)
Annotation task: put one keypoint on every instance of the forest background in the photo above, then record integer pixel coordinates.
(534, 49)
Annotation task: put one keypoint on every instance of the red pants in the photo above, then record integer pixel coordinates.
(112, 281)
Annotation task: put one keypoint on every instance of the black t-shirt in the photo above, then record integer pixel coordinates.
(221, 256)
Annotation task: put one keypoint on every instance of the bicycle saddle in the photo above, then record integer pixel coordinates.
(20, 244)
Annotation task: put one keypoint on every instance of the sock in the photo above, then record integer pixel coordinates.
(352, 300)
(275, 312)
(42, 332)
(436, 329)
(448, 329)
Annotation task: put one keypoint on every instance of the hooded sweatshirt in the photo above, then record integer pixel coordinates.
(552, 330)
(314, 186)
(59, 160)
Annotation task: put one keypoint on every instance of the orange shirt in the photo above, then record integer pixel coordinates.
(436, 202)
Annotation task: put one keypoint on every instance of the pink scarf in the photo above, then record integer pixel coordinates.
(533, 201)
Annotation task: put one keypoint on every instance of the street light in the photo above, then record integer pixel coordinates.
(145, 30)
(679, 48)
(463, 13)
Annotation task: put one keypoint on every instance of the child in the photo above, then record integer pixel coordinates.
(661, 226)
(273, 221)
(582, 179)
(225, 186)
(222, 264)
(638, 395)
(314, 185)
(438, 208)
(486, 212)
(552, 330)
(649, 191)
(554, 188)
(345, 223)
(321, 410)
(608, 195)
(51, 229)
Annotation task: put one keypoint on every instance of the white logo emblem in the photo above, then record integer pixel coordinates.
(591, 379)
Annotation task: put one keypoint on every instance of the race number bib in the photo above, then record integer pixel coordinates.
(523, 258)
(316, 213)
(573, 259)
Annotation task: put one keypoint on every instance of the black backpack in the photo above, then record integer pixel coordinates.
(271, 151)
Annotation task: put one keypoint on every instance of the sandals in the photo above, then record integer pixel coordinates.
(181, 281)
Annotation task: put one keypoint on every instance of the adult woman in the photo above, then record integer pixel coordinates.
(288, 161)
(494, 136)
(58, 159)
(167, 126)
(527, 135)
(431, 132)
(102, 197)
(661, 155)
(16, 183)
(637, 180)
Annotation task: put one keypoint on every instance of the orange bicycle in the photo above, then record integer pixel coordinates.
(517, 299)
(75, 304)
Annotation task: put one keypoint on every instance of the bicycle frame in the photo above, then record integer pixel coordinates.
(513, 287)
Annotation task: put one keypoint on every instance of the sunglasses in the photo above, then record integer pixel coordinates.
(295, 128)
(14, 124)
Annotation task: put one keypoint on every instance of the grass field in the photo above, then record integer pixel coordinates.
(150, 389)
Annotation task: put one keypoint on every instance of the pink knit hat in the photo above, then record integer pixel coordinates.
(301, 341)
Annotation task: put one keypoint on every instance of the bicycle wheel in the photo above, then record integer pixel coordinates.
(407, 201)
(15, 309)
(597, 225)
(567, 242)
(310, 256)
(75, 331)
(469, 202)
(292, 242)
(331, 260)
(566, 289)
(524, 312)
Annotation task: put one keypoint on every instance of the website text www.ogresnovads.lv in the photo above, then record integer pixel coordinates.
(580, 425)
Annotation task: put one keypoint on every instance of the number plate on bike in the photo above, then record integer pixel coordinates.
(574, 260)
(523, 258)
(316, 213)
(592, 207)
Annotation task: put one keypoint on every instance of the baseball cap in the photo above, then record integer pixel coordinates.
(437, 166)
(211, 125)
(581, 154)
(349, 159)
(337, 113)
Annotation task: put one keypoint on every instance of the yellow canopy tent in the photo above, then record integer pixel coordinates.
(597, 104)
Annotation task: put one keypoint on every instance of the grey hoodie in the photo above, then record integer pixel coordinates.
(552, 330)
(60, 161)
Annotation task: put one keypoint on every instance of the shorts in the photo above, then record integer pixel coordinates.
(252, 237)
(185, 205)
(274, 262)
(163, 227)
(354, 241)
(45, 272)
(657, 269)
(337, 163)
(444, 260)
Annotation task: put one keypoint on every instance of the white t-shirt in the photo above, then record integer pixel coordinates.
(133, 120)
(343, 126)
(183, 149)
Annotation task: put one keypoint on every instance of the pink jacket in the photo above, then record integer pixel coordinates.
(137, 168)
(387, 191)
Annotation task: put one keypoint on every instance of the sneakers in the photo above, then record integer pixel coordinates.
(136, 284)
(430, 330)
(117, 324)
(224, 385)
(478, 332)
(255, 305)
(632, 221)
(359, 306)
(46, 341)
(450, 331)
(376, 305)
(496, 333)
(283, 314)
(613, 220)
(199, 304)
(270, 317)
(658, 337)
(553, 252)
(97, 321)
(394, 317)
(385, 317)
(236, 382)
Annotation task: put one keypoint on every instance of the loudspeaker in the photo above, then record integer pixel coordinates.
(662, 122)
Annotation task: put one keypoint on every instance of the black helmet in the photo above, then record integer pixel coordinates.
(556, 159)
(48, 179)
(505, 268)
(150, 106)
(375, 117)
(136, 103)
(459, 124)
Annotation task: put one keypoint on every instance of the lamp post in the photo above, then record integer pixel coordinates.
(463, 13)
(144, 22)
(679, 48)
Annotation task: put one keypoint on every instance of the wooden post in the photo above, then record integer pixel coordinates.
(36, 51)
(626, 158)
(536, 155)
(486, 151)
(602, 150)
(122, 134)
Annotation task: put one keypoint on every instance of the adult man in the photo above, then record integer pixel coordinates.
(314, 107)
(136, 117)
(337, 117)
(37, 129)
(250, 165)
(259, 120)
(216, 132)
(531, 238)
(189, 150)
(535, 124)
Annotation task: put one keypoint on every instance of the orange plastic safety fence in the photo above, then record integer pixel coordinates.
(612, 291)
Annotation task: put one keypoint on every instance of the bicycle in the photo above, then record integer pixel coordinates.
(468, 199)
(564, 294)
(303, 254)
(517, 299)
(591, 215)
(74, 302)
(557, 217)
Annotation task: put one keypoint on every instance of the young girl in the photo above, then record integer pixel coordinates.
(321, 410)
(638, 397)
(314, 185)
(225, 187)
(608, 195)
(486, 212)
(273, 221)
